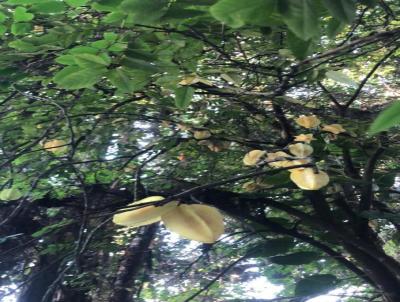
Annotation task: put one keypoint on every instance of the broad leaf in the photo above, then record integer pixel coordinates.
(73, 77)
(315, 285)
(87, 60)
(388, 118)
(121, 79)
(343, 10)
(183, 96)
(238, 13)
(341, 78)
(10, 194)
(300, 48)
(21, 14)
(145, 12)
(296, 258)
(301, 18)
(273, 247)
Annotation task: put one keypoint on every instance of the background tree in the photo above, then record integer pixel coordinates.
(104, 102)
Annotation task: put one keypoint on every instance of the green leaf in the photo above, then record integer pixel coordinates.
(23, 46)
(386, 119)
(273, 247)
(83, 49)
(278, 178)
(301, 16)
(52, 227)
(74, 77)
(22, 2)
(296, 258)
(341, 78)
(381, 215)
(21, 28)
(20, 15)
(238, 13)
(183, 96)
(343, 10)
(300, 48)
(87, 60)
(3, 17)
(76, 3)
(140, 64)
(145, 12)
(50, 7)
(3, 29)
(121, 79)
(10, 194)
(66, 60)
(315, 285)
(369, 3)
(334, 27)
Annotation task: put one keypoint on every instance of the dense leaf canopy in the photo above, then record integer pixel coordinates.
(281, 114)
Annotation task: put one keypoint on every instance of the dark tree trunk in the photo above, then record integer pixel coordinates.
(43, 276)
(132, 264)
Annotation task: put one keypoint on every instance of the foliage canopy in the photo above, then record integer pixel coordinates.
(267, 110)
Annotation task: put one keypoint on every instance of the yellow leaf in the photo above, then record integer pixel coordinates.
(253, 157)
(278, 159)
(201, 134)
(334, 128)
(250, 186)
(144, 215)
(306, 138)
(56, 146)
(310, 121)
(190, 80)
(301, 150)
(195, 222)
(308, 179)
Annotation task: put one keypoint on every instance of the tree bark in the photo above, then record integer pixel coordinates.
(132, 264)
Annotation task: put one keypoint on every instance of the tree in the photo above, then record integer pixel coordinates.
(266, 110)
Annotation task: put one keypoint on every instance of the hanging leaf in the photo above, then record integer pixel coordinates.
(73, 77)
(388, 118)
(315, 285)
(273, 247)
(183, 96)
(341, 78)
(238, 13)
(301, 18)
(296, 258)
(343, 10)
(10, 194)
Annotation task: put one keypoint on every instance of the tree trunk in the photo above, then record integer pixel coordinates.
(131, 264)
(46, 273)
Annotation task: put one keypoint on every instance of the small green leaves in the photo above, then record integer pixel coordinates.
(315, 285)
(10, 194)
(183, 96)
(386, 119)
(21, 15)
(341, 78)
